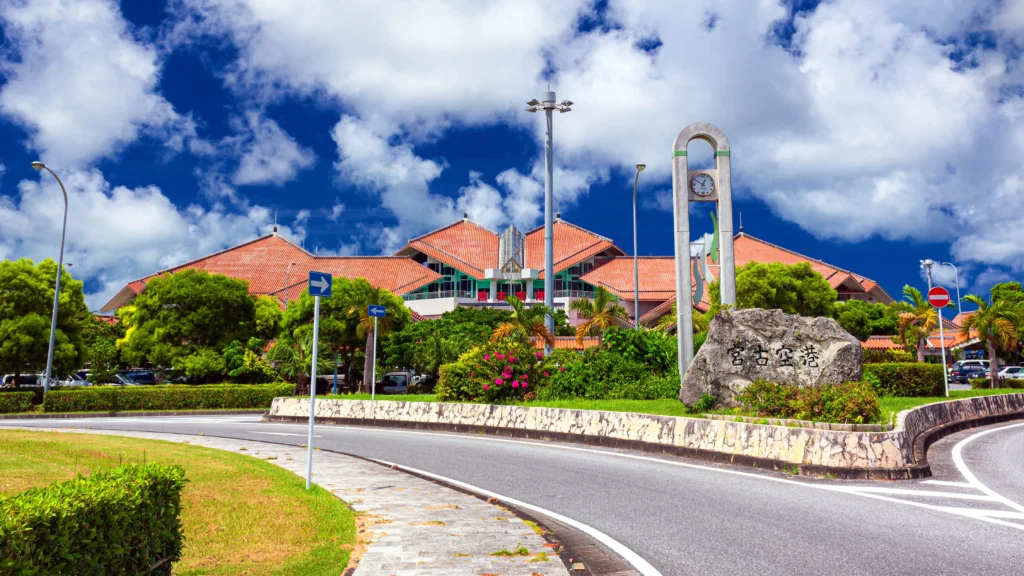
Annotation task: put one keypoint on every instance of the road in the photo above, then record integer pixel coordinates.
(686, 517)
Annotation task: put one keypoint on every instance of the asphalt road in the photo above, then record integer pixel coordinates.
(686, 517)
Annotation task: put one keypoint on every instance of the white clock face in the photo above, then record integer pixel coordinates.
(702, 184)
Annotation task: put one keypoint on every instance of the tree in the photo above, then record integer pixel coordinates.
(701, 320)
(293, 358)
(882, 320)
(489, 317)
(364, 296)
(600, 313)
(1008, 291)
(424, 346)
(25, 311)
(268, 316)
(524, 324)
(855, 321)
(185, 319)
(794, 289)
(918, 320)
(996, 323)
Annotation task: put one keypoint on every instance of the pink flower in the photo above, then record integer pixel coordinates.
(486, 387)
(562, 368)
(499, 355)
(498, 381)
(511, 358)
(540, 354)
(515, 383)
(487, 357)
(526, 384)
(472, 373)
(546, 373)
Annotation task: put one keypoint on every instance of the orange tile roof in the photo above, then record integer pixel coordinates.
(880, 343)
(959, 319)
(657, 312)
(657, 277)
(572, 245)
(954, 339)
(464, 245)
(263, 263)
(568, 343)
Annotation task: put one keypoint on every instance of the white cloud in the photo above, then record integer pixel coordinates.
(482, 203)
(336, 210)
(269, 154)
(81, 83)
(116, 234)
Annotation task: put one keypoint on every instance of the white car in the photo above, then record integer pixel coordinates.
(1012, 372)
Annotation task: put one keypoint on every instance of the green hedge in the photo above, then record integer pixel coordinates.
(15, 402)
(120, 521)
(905, 379)
(986, 383)
(600, 374)
(181, 397)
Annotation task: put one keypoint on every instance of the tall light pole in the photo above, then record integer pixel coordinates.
(959, 303)
(60, 266)
(927, 266)
(636, 265)
(287, 289)
(548, 106)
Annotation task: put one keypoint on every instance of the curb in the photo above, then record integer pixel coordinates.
(920, 470)
(65, 415)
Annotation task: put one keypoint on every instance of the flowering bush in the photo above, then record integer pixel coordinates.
(603, 374)
(849, 402)
(494, 373)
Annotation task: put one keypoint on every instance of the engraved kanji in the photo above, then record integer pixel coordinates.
(785, 355)
(809, 356)
(762, 355)
(737, 355)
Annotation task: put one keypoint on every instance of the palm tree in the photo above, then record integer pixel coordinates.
(996, 323)
(526, 323)
(373, 296)
(295, 359)
(919, 316)
(600, 313)
(701, 321)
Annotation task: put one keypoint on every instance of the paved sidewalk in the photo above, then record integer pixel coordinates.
(418, 527)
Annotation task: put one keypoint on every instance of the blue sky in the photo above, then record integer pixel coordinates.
(867, 134)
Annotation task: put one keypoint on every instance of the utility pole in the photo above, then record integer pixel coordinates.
(548, 106)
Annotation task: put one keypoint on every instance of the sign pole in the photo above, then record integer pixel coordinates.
(312, 392)
(945, 373)
(373, 380)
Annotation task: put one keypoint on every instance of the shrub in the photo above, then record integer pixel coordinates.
(986, 383)
(654, 348)
(872, 356)
(495, 372)
(16, 402)
(37, 392)
(602, 374)
(905, 379)
(849, 402)
(121, 521)
(180, 397)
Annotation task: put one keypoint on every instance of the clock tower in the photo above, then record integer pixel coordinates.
(711, 185)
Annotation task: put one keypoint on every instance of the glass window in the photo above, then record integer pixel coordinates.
(447, 270)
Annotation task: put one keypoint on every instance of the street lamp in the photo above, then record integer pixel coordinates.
(287, 289)
(636, 265)
(56, 291)
(548, 105)
(959, 303)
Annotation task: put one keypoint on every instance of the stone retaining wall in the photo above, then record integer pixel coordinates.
(813, 451)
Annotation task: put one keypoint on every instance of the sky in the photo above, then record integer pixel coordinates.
(865, 133)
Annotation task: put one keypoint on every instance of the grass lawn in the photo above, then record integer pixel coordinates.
(241, 515)
(891, 405)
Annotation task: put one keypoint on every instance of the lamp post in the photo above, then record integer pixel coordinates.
(548, 105)
(636, 265)
(287, 286)
(60, 265)
(959, 303)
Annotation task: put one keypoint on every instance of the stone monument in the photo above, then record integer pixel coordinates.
(751, 344)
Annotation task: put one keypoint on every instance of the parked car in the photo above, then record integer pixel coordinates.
(964, 373)
(394, 383)
(137, 377)
(74, 379)
(959, 363)
(1012, 372)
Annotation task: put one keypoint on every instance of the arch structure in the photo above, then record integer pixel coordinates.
(706, 185)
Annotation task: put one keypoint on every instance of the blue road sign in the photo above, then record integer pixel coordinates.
(378, 311)
(319, 284)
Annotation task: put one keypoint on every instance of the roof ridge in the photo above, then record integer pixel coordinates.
(453, 224)
(567, 223)
(795, 253)
(218, 253)
(446, 253)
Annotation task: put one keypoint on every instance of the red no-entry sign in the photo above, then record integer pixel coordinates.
(938, 297)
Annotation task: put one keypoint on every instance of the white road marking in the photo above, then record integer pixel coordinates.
(948, 483)
(971, 478)
(633, 558)
(923, 493)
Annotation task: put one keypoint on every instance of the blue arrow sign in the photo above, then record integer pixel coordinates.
(319, 284)
(377, 311)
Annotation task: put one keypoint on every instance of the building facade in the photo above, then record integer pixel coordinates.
(466, 264)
